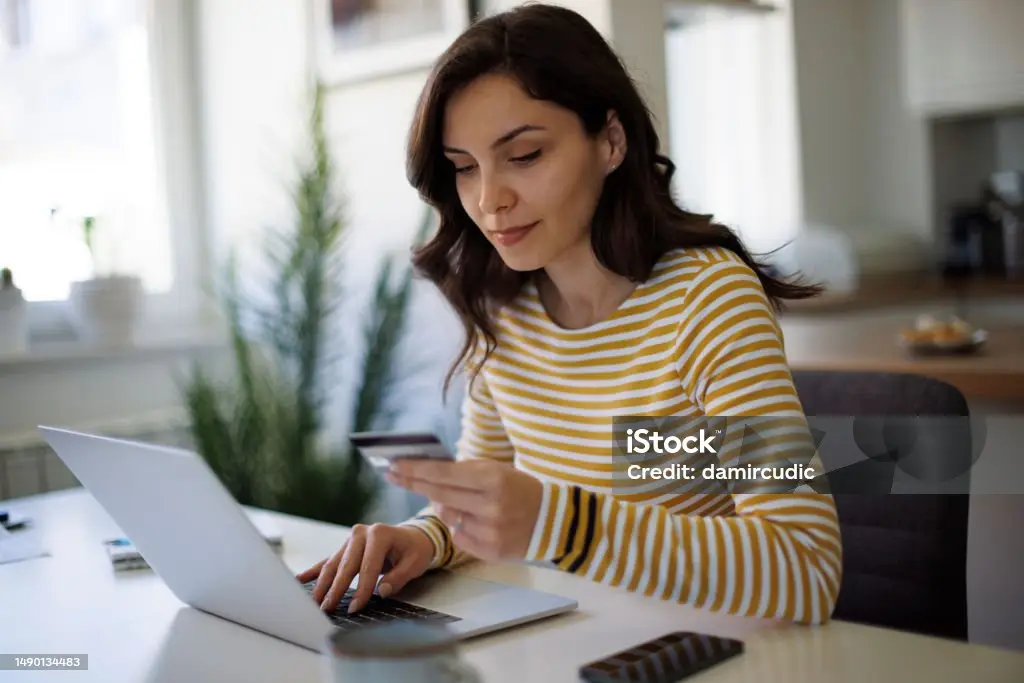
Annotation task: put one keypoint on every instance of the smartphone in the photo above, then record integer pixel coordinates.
(670, 658)
(380, 448)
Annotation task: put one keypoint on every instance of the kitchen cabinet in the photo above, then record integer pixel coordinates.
(963, 56)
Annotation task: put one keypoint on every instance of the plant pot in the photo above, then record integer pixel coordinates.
(13, 322)
(106, 310)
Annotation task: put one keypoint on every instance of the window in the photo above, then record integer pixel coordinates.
(733, 119)
(80, 139)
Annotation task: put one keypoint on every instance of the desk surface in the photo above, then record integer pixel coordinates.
(134, 629)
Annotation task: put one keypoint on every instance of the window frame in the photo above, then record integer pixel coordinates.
(175, 71)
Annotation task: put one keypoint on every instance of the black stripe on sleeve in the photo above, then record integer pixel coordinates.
(570, 536)
(588, 534)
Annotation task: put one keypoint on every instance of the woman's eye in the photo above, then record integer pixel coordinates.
(464, 169)
(526, 158)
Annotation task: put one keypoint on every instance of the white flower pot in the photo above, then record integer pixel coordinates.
(13, 322)
(106, 310)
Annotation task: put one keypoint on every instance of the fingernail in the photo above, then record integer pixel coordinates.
(354, 605)
(384, 590)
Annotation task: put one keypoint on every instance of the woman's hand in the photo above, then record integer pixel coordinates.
(404, 553)
(490, 507)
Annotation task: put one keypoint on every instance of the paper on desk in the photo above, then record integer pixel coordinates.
(24, 545)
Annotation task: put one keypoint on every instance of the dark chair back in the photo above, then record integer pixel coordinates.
(904, 555)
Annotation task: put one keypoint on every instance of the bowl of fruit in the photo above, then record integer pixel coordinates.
(932, 336)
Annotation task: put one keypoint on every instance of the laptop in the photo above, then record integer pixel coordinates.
(204, 546)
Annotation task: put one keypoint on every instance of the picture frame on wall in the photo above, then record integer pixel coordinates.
(359, 40)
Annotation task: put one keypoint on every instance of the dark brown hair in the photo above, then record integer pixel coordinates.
(558, 56)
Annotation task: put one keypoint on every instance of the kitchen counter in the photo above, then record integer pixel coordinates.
(866, 340)
(877, 291)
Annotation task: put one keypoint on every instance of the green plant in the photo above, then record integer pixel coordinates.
(89, 234)
(103, 252)
(261, 430)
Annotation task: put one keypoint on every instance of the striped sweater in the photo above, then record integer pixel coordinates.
(698, 339)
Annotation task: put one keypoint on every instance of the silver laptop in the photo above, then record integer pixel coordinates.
(205, 547)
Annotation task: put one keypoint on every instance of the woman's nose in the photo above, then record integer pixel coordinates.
(495, 195)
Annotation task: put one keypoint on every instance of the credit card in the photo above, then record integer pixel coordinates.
(380, 448)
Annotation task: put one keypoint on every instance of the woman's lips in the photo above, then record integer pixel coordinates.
(507, 238)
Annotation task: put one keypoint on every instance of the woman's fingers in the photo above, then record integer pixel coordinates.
(378, 544)
(395, 578)
(309, 574)
(462, 523)
(327, 573)
(442, 493)
(347, 569)
(478, 536)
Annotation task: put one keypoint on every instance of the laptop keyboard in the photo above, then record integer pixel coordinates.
(380, 610)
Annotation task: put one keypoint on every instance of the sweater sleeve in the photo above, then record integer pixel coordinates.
(779, 554)
(482, 436)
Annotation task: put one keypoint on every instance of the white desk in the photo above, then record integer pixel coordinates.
(134, 629)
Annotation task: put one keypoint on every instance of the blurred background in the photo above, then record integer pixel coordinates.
(876, 146)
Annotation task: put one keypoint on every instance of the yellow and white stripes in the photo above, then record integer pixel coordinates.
(698, 339)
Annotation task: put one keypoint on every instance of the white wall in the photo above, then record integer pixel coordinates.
(95, 388)
(829, 46)
(734, 120)
(995, 560)
(995, 552)
(635, 31)
(794, 120)
(252, 87)
(897, 158)
(865, 157)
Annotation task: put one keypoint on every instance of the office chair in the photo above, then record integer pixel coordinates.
(904, 555)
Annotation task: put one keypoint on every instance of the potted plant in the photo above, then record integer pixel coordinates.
(106, 307)
(13, 316)
(262, 428)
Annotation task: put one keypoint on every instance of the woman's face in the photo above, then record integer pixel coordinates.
(526, 172)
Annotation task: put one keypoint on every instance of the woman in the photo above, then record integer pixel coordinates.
(587, 294)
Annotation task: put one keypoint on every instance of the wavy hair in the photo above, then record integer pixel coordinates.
(555, 55)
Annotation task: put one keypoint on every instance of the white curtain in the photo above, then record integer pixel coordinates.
(733, 122)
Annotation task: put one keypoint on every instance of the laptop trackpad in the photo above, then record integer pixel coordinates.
(460, 596)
